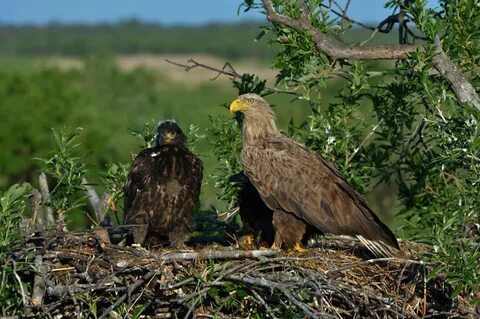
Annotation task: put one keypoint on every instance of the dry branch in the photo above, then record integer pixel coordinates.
(38, 283)
(98, 204)
(227, 70)
(37, 214)
(42, 180)
(464, 90)
(217, 254)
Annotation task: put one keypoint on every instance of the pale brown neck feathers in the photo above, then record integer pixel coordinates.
(259, 125)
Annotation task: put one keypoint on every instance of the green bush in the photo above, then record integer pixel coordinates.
(12, 205)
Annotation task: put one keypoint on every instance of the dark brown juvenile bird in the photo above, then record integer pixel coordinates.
(256, 216)
(162, 189)
(301, 187)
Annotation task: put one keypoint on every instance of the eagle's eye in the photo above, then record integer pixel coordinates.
(250, 101)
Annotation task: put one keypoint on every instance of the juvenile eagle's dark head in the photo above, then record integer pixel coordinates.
(169, 133)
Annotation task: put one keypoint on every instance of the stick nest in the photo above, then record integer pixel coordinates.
(82, 276)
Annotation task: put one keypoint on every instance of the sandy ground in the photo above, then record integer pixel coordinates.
(174, 73)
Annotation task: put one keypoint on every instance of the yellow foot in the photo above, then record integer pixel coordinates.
(275, 246)
(247, 240)
(299, 249)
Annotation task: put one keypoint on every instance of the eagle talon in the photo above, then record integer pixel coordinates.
(275, 246)
(299, 249)
(247, 240)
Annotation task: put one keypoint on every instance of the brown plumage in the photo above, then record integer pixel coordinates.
(162, 190)
(301, 187)
(257, 218)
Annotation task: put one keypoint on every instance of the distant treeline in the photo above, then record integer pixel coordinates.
(130, 37)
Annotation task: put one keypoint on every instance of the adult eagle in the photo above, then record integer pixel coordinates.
(162, 189)
(301, 187)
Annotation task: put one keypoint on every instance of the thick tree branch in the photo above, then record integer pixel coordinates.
(462, 87)
(323, 43)
(464, 90)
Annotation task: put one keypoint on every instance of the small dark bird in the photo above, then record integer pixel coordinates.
(301, 187)
(256, 217)
(163, 189)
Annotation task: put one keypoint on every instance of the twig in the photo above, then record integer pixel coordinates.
(99, 205)
(131, 289)
(216, 254)
(362, 143)
(226, 70)
(42, 180)
(273, 285)
(373, 261)
(264, 304)
(344, 16)
(20, 283)
(37, 218)
(38, 283)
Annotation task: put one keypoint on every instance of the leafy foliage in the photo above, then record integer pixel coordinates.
(226, 147)
(68, 172)
(12, 205)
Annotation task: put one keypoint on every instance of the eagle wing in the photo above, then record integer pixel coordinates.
(291, 177)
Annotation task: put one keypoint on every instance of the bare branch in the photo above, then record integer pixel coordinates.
(464, 90)
(227, 70)
(216, 254)
(42, 180)
(38, 283)
(131, 289)
(37, 216)
(98, 204)
(362, 143)
(20, 283)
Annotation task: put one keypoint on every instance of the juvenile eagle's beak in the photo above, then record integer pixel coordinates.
(237, 105)
(169, 137)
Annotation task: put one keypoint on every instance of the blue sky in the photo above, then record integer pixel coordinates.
(169, 12)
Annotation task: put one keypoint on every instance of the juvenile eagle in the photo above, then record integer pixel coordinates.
(301, 187)
(162, 189)
(256, 216)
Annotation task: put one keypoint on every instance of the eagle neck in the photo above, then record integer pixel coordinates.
(256, 129)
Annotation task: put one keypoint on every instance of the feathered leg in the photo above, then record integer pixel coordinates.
(178, 236)
(289, 230)
(139, 228)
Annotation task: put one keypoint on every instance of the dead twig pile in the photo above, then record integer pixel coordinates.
(80, 276)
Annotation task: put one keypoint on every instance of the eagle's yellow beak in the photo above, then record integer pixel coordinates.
(169, 137)
(238, 105)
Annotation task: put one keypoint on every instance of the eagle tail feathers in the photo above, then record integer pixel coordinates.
(378, 248)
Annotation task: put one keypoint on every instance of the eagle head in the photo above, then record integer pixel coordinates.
(249, 103)
(169, 133)
(258, 116)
